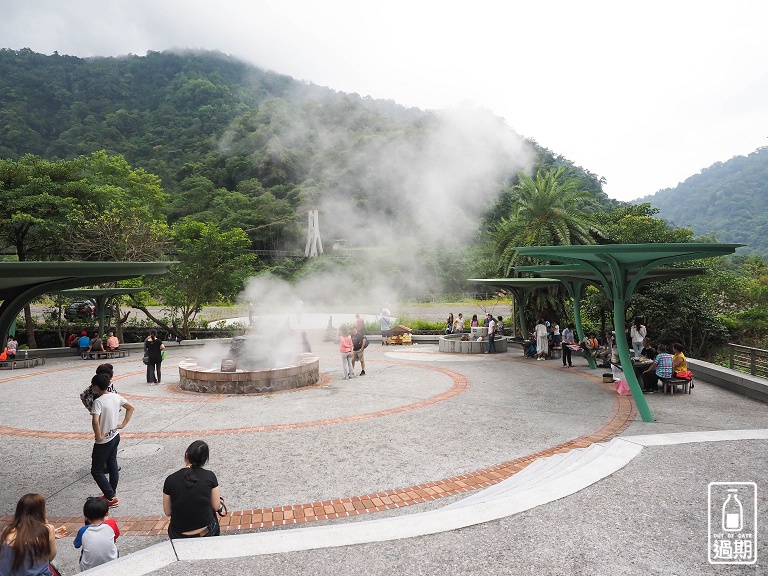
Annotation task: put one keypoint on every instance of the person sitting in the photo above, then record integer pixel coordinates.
(99, 535)
(112, 342)
(12, 346)
(604, 353)
(590, 344)
(96, 345)
(661, 368)
(72, 341)
(449, 324)
(500, 326)
(28, 541)
(84, 343)
(191, 496)
(679, 363)
(474, 322)
(648, 351)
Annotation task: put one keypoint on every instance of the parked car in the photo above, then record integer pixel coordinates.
(80, 310)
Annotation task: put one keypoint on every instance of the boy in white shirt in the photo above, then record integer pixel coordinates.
(99, 535)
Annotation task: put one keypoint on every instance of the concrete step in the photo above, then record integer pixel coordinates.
(536, 474)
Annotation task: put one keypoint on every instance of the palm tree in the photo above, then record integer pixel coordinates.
(544, 215)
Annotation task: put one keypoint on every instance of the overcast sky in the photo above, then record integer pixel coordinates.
(644, 94)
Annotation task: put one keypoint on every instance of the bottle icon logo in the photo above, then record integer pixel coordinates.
(733, 512)
(732, 522)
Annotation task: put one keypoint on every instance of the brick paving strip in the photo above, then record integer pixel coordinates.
(619, 419)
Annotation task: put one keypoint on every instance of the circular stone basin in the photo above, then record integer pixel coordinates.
(194, 378)
(453, 343)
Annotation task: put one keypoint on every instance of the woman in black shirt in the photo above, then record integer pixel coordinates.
(191, 496)
(153, 349)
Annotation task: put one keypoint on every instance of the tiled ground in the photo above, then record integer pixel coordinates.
(245, 519)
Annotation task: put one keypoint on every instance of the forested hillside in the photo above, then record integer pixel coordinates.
(728, 200)
(247, 148)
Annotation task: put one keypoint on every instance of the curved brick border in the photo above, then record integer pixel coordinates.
(460, 384)
(619, 420)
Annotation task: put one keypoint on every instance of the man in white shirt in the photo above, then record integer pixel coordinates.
(105, 413)
(491, 323)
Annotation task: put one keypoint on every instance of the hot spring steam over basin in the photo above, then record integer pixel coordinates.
(304, 371)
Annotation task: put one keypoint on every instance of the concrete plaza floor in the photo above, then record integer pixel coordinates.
(420, 430)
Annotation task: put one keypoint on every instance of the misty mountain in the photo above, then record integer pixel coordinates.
(727, 201)
(243, 147)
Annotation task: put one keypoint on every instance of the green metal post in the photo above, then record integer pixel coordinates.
(626, 361)
(577, 290)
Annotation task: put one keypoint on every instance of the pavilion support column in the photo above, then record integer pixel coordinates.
(626, 361)
(576, 291)
(522, 299)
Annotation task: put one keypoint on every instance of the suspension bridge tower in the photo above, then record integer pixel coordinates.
(314, 245)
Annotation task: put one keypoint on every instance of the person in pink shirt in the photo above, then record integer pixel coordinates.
(345, 348)
(112, 342)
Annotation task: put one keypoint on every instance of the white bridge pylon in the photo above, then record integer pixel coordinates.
(314, 245)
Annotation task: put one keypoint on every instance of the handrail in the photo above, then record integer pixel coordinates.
(748, 359)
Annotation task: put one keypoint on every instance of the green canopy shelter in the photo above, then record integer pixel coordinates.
(521, 289)
(101, 297)
(575, 277)
(619, 269)
(22, 282)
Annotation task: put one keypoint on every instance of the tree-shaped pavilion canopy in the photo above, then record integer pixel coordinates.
(618, 269)
(22, 282)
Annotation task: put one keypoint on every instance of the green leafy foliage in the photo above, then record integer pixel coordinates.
(728, 200)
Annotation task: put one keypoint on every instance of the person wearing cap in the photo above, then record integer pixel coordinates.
(84, 342)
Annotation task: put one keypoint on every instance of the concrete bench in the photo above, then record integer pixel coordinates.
(21, 363)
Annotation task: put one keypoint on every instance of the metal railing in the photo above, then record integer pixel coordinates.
(751, 360)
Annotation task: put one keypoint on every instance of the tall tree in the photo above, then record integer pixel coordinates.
(36, 196)
(542, 216)
(212, 266)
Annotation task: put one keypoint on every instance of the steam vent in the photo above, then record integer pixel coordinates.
(194, 378)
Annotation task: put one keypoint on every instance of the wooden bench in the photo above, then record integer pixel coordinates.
(108, 354)
(669, 385)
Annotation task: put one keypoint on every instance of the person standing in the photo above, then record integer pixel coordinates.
(105, 413)
(359, 342)
(386, 326)
(345, 349)
(637, 333)
(28, 541)
(568, 341)
(491, 324)
(153, 348)
(449, 324)
(557, 338)
(474, 323)
(305, 347)
(541, 333)
(458, 325)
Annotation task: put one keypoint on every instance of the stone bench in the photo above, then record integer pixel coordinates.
(21, 363)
